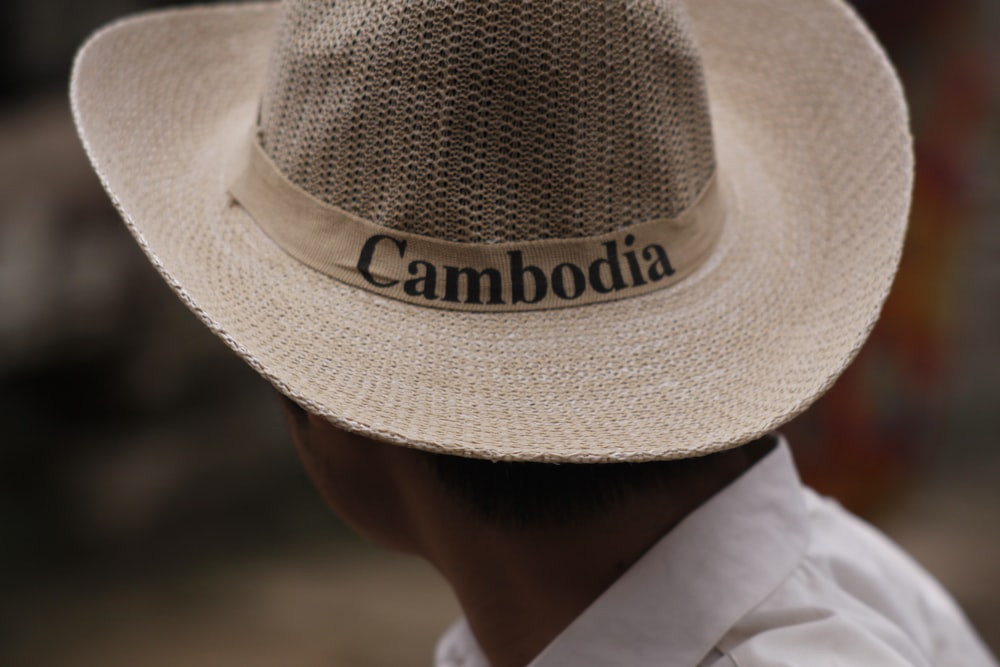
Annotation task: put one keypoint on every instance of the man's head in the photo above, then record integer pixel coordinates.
(509, 255)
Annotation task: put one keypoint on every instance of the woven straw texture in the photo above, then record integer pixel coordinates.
(490, 121)
(813, 150)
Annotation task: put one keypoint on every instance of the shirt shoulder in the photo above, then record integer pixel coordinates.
(857, 600)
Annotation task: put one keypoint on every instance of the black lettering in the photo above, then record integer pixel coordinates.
(368, 251)
(517, 271)
(660, 268)
(633, 263)
(473, 282)
(617, 282)
(579, 281)
(429, 279)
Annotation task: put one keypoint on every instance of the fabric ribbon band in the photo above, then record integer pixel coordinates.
(491, 277)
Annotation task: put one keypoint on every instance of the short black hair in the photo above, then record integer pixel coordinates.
(536, 495)
(517, 494)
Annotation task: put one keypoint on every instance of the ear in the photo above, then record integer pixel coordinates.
(296, 415)
(317, 422)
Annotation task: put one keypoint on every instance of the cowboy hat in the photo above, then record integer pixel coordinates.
(557, 231)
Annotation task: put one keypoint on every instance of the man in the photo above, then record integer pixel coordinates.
(538, 279)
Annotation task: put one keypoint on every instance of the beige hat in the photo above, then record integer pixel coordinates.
(561, 230)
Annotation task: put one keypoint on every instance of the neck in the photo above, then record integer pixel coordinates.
(520, 588)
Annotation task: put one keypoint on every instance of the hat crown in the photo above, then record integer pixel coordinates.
(491, 120)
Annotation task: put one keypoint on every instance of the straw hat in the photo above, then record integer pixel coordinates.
(570, 230)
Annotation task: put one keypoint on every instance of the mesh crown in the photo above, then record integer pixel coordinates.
(491, 120)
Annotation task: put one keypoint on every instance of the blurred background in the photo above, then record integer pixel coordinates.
(151, 508)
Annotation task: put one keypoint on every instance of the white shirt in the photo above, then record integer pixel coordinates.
(766, 573)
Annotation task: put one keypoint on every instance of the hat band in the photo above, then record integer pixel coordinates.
(493, 277)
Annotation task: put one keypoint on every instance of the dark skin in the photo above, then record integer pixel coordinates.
(519, 587)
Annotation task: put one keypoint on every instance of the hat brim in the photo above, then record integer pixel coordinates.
(813, 146)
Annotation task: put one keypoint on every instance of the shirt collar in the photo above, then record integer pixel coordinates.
(678, 600)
